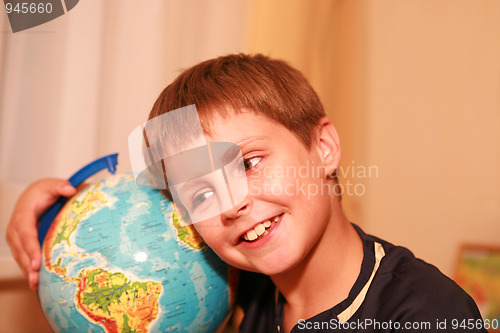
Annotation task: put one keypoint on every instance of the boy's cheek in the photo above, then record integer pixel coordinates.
(282, 187)
(213, 232)
(254, 187)
(267, 185)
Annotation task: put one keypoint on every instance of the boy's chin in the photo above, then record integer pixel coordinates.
(271, 269)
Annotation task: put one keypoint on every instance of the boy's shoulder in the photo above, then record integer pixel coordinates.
(406, 288)
(401, 269)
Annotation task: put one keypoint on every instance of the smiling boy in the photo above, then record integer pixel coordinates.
(324, 273)
(323, 270)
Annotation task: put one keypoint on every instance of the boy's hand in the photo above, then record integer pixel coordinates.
(22, 231)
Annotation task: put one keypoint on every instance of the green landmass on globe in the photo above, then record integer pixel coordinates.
(187, 233)
(112, 299)
(118, 258)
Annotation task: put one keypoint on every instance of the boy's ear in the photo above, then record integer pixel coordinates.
(328, 145)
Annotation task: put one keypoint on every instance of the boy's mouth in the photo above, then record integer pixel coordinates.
(260, 230)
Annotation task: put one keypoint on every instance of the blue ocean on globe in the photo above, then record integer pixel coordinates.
(118, 258)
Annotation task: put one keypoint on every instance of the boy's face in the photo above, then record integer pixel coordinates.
(288, 203)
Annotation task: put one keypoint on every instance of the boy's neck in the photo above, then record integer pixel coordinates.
(325, 277)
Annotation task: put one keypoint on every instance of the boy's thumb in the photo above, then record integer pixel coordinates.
(48, 191)
(66, 189)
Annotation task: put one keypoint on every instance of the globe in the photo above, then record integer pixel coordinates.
(117, 258)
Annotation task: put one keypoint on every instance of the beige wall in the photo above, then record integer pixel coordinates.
(433, 114)
(414, 89)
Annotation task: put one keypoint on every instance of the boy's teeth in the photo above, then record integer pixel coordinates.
(252, 235)
(259, 230)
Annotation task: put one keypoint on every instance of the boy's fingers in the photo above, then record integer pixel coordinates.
(23, 260)
(22, 238)
(25, 264)
(33, 280)
(37, 198)
(14, 244)
(22, 233)
(28, 265)
(32, 247)
(36, 262)
(45, 192)
(17, 252)
(66, 189)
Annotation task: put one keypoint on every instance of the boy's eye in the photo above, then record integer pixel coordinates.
(199, 198)
(251, 162)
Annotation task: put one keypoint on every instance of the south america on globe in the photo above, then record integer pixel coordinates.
(117, 258)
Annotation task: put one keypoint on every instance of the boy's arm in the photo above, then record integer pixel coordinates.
(22, 233)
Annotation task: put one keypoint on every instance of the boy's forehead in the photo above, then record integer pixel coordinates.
(239, 126)
(188, 143)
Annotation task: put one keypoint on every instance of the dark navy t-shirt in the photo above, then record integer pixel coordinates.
(394, 292)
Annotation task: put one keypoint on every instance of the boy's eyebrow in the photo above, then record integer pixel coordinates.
(236, 149)
(189, 185)
(245, 142)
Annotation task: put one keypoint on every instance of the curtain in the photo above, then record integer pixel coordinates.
(74, 88)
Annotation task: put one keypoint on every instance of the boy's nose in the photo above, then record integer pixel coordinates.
(240, 209)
